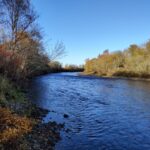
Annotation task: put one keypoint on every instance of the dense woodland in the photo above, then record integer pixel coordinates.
(131, 62)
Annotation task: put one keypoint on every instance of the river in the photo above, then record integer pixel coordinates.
(104, 114)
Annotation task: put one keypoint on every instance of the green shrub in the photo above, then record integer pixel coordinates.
(9, 93)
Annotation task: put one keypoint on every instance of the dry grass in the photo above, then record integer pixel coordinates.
(12, 126)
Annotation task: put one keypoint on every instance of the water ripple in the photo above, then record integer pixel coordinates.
(104, 114)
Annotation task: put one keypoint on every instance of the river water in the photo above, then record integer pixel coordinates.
(104, 114)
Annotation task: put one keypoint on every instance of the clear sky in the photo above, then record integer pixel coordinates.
(87, 27)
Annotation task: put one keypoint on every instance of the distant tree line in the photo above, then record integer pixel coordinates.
(73, 68)
(131, 62)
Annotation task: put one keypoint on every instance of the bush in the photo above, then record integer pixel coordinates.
(12, 126)
(126, 74)
(10, 63)
(9, 93)
(132, 62)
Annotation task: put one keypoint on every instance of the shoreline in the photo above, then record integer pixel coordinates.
(41, 136)
(44, 135)
(25, 129)
(116, 77)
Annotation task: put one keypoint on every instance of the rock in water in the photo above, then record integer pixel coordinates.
(66, 116)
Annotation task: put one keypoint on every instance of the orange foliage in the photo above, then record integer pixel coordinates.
(12, 126)
(10, 62)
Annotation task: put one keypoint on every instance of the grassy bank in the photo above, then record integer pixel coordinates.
(121, 75)
(21, 126)
(116, 77)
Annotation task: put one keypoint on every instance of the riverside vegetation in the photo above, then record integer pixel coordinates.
(22, 56)
(131, 62)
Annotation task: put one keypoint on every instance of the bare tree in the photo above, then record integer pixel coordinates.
(18, 16)
(57, 52)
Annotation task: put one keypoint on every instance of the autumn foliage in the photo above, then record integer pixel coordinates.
(12, 126)
(22, 56)
(10, 63)
(131, 62)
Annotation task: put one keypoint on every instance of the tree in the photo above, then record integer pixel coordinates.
(132, 62)
(57, 52)
(24, 38)
(18, 16)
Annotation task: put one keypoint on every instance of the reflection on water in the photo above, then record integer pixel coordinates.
(104, 114)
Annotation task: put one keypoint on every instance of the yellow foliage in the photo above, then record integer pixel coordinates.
(132, 62)
(12, 126)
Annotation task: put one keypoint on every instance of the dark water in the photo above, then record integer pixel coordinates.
(104, 114)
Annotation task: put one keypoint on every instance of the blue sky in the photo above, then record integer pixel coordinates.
(87, 27)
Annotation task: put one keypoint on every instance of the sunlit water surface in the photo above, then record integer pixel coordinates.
(104, 114)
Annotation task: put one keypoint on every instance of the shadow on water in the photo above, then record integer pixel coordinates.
(111, 114)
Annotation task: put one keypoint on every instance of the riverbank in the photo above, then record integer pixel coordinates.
(21, 122)
(116, 77)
